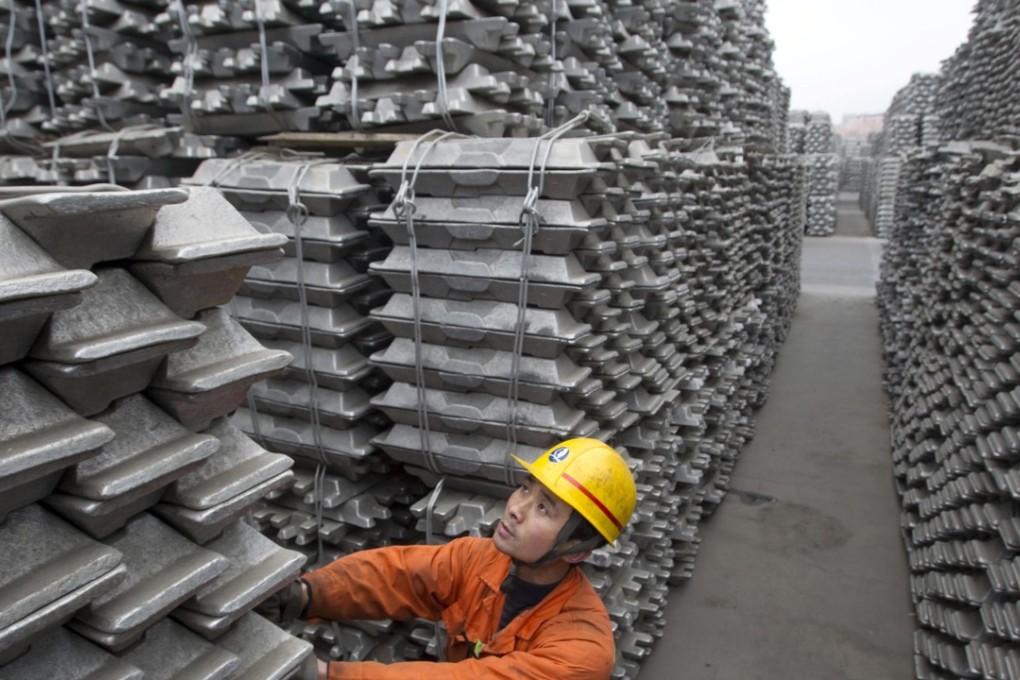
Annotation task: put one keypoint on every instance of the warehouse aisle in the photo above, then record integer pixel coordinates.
(802, 572)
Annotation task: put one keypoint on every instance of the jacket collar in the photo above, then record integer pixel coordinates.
(525, 625)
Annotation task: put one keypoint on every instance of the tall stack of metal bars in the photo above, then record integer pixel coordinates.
(605, 243)
(911, 121)
(949, 301)
(810, 135)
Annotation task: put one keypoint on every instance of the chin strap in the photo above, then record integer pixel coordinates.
(558, 550)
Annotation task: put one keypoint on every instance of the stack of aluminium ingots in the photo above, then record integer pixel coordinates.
(811, 136)
(314, 303)
(458, 65)
(693, 96)
(625, 42)
(246, 68)
(123, 484)
(822, 189)
(907, 127)
(508, 347)
(27, 96)
(750, 91)
(948, 297)
(107, 61)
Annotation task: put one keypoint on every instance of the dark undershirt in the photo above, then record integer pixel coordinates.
(521, 595)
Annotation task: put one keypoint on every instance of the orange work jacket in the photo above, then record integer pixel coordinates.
(567, 635)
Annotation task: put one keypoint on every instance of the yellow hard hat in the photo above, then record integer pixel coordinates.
(592, 478)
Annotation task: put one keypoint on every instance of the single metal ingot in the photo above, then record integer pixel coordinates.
(260, 185)
(491, 222)
(349, 450)
(79, 229)
(60, 653)
(266, 651)
(100, 518)
(258, 568)
(192, 266)
(163, 570)
(39, 437)
(466, 454)
(485, 414)
(482, 323)
(32, 286)
(203, 525)
(294, 399)
(170, 650)
(329, 327)
(487, 274)
(150, 451)
(211, 379)
(47, 570)
(325, 284)
(481, 369)
(110, 345)
(238, 466)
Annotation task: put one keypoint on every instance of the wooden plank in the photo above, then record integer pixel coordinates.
(340, 141)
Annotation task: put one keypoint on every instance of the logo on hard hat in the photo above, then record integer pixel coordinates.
(559, 455)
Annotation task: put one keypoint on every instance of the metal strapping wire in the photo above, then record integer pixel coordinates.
(111, 156)
(404, 207)
(46, 58)
(429, 509)
(264, 64)
(190, 55)
(236, 162)
(550, 109)
(353, 64)
(530, 220)
(297, 213)
(5, 107)
(442, 98)
(93, 76)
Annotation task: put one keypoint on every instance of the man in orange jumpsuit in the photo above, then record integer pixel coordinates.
(514, 606)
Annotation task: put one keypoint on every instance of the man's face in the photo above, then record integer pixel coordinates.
(531, 522)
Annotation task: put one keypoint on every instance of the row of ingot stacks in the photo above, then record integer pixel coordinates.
(697, 69)
(855, 155)
(948, 298)
(123, 484)
(810, 132)
(811, 136)
(910, 124)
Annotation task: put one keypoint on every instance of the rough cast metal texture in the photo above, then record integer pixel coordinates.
(91, 582)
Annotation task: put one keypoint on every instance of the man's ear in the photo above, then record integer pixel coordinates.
(577, 558)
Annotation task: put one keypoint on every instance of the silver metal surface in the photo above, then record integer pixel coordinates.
(211, 379)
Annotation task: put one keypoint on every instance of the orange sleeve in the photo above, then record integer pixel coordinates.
(398, 582)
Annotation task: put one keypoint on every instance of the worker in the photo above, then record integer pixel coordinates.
(514, 605)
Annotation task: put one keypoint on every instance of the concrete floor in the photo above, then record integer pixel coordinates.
(813, 584)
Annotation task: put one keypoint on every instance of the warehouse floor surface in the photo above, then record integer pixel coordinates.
(802, 572)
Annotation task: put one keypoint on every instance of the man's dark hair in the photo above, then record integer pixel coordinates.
(586, 530)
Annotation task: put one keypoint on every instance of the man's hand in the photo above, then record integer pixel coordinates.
(285, 605)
